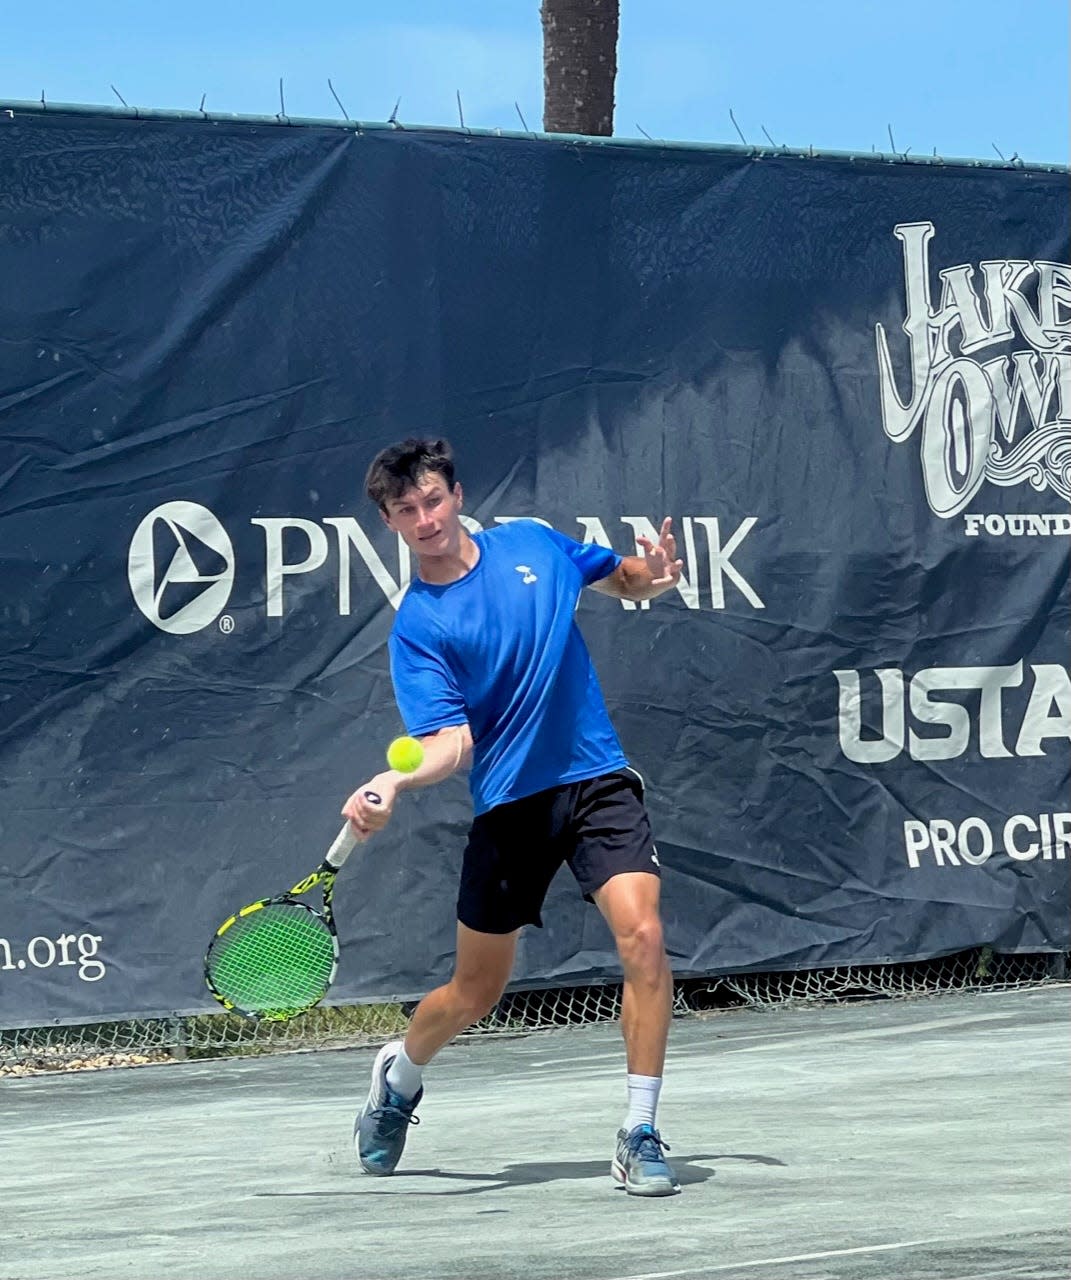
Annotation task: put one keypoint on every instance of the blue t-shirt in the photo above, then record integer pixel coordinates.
(500, 650)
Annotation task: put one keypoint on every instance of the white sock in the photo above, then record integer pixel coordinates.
(404, 1076)
(643, 1094)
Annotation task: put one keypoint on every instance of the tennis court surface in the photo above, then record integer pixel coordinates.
(873, 1141)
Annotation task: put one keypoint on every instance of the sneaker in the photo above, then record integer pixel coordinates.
(382, 1126)
(639, 1165)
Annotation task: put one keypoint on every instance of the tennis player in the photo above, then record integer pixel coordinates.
(490, 671)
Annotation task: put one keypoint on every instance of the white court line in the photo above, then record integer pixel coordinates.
(878, 1033)
(774, 1262)
(610, 1056)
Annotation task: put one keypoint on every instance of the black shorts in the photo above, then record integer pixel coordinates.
(599, 827)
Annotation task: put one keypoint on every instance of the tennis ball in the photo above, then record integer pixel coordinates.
(405, 755)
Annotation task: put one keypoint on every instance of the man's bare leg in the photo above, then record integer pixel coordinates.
(629, 903)
(482, 968)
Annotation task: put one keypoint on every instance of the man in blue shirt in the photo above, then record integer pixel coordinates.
(490, 671)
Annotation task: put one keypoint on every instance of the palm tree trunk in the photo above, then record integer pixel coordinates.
(579, 65)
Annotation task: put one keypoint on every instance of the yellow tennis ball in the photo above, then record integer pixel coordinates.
(405, 755)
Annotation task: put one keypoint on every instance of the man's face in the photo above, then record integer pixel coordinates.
(427, 516)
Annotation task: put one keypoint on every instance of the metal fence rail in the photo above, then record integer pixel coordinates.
(27, 1051)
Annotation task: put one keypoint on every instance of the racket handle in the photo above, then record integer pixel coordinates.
(345, 840)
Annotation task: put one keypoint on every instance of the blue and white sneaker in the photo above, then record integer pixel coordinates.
(639, 1165)
(380, 1130)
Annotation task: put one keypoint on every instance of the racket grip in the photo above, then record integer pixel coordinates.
(345, 840)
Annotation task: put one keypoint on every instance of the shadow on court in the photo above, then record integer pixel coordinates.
(689, 1169)
(924, 1139)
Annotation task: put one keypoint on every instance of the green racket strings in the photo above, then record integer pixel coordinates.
(274, 962)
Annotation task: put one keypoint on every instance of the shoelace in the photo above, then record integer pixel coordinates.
(390, 1119)
(650, 1146)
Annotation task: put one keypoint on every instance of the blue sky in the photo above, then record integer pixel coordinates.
(961, 76)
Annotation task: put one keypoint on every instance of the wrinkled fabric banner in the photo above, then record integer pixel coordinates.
(849, 383)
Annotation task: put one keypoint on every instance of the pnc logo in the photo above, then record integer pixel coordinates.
(180, 567)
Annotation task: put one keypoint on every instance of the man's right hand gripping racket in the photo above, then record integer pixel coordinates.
(277, 957)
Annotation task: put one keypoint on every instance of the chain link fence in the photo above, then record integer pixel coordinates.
(27, 1051)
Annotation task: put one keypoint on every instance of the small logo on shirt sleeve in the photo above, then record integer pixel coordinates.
(529, 576)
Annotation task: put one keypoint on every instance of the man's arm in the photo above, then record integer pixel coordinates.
(644, 577)
(445, 752)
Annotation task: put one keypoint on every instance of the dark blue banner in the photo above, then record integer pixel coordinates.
(848, 382)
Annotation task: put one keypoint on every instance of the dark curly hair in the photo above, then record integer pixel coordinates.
(401, 466)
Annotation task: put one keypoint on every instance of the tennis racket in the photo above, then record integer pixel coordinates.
(277, 957)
